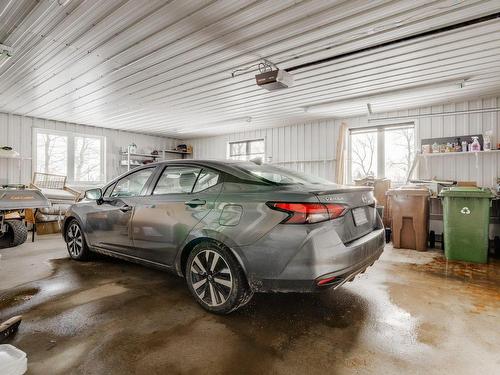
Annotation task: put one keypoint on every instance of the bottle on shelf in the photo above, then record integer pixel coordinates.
(464, 146)
(487, 141)
(475, 146)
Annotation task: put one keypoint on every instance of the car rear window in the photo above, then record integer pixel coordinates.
(281, 176)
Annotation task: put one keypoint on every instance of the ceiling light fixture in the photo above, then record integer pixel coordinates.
(371, 100)
(5, 51)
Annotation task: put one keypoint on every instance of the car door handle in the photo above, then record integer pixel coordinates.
(195, 202)
(126, 208)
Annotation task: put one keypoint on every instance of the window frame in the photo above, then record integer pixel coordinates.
(157, 179)
(380, 142)
(219, 180)
(70, 162)
(144, 190)
(247, 148)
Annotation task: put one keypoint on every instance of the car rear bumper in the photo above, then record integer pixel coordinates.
(320, 255)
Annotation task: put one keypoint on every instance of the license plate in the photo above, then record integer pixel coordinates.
(359, 215)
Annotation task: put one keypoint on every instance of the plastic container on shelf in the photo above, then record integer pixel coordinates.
(466, 218)
(410, 217)
(12, 360)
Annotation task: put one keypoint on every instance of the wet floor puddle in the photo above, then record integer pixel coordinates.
(18, 298)
(479, 282)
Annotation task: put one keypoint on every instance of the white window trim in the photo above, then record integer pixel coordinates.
(380, 145)
(70, 166)
(248, 140)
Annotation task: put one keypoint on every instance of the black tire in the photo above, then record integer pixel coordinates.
(388, 234)
(216, 279)
(75, 241)
(432, 239)
(16, 234)
(496, 247)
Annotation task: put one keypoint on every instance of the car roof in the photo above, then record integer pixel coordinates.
(227, 166)
(233, 167)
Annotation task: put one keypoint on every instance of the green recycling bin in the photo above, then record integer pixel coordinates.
(466, 216)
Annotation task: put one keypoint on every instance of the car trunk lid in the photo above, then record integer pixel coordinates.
(360, 218)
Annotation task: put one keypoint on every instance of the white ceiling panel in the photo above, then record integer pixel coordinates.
(165, 67)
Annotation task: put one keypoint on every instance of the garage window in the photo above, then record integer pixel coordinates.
(246, 150)
(80, 157)
(385, 151)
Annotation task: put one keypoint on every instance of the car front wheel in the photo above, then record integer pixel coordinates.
(215, 278)
(75, 242)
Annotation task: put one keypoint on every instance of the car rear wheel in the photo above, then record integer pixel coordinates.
(75, 242)
(215, 278)
(15, 234)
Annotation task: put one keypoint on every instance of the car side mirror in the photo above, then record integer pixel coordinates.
(94, 195)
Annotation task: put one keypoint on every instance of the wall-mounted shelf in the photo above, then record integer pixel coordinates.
(134, 159)
(442, 154)
(132, 155)
(425, 158)
(183, 154)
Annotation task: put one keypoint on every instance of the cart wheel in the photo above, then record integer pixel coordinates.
(496, 247)
(388, 233)
(16, 234)
(432, 239)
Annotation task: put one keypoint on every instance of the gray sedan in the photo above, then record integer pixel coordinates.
(230, 228)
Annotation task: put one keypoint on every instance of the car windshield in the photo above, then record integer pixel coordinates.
(282, 176)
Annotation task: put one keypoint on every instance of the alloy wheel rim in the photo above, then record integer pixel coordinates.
(75, 240)
(211, 278)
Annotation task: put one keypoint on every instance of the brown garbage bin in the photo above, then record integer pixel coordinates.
(410, 217)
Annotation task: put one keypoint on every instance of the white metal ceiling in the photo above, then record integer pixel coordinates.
(164, 67)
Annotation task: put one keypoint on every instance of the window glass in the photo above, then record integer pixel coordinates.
(177, 180)
(399, 153)
(81, 158)
(256, 147)
(88, 159)
(51, 153)
(247, 150)
(206, 179)
(382, 152)
(132, 184)
(281, 176)
(364, 154)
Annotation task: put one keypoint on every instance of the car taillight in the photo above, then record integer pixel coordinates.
(308, 213)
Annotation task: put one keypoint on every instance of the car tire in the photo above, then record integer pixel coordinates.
(75, 241)
(216, 279)
(16, 234)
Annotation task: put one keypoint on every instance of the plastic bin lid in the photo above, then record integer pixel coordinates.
(410, 190)
(467, 192)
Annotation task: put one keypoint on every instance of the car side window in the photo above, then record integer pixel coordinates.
(177, 180)
(132, 184)
(206, 179)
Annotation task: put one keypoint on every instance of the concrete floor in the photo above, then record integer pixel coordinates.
(411, 313)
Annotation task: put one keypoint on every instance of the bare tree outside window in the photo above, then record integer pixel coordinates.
(79, 157)
(87, 159)
(396, 149)
(364, 154)
(246, 150)
(52, 153)
(399, 153)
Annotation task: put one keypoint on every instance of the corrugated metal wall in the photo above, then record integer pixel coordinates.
(458, 167)
(16, 131)
(311, 147)
(307, 147)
